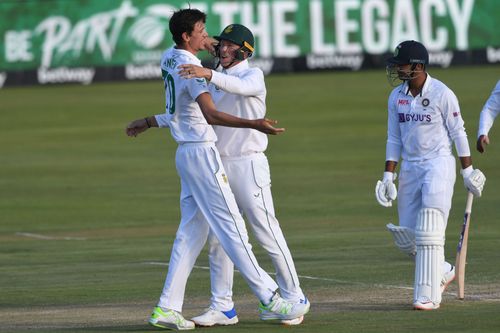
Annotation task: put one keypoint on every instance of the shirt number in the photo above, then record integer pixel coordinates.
(170, 90)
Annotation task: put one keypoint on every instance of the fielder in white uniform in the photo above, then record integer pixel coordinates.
(206, 198)
(241, 91)
(490, 111)
(423, 121)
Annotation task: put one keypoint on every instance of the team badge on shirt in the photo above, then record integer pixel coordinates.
(425, 102)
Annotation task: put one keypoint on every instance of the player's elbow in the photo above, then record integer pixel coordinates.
(211, 118)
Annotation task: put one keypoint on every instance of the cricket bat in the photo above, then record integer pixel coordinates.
(462, 248)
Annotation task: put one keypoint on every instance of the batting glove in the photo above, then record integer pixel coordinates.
(385, 190)
(474, 180)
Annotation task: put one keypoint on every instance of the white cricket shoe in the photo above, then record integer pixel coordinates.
(424, 303)
(170, 320)
(448, 278)
(280, 309)
(293, 322)
(213, 317)
(286, 322)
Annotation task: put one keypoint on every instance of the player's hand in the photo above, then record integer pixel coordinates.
(189, 71)
(385, 190)
(482, 142)
(266, 125)
(136, 127)
(210, 45)
(474, 180)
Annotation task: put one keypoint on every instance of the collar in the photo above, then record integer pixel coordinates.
(240, 67)
(405, 87)
(185, 53)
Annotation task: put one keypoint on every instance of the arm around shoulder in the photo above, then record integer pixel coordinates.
(251, 83)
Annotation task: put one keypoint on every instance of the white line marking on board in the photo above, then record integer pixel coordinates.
(44, 237)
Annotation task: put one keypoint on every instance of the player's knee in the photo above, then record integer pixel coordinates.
(430, 229)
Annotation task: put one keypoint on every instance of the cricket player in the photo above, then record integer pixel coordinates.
(206, 198)
(423, 121)
(241, 91)
(490, 111)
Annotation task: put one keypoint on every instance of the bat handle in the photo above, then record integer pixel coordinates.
(468, 205)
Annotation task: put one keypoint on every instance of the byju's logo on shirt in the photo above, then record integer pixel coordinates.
(406, 117)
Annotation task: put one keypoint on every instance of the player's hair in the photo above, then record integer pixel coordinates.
(183, 21)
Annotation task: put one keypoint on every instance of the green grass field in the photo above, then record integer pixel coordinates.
(88, 215)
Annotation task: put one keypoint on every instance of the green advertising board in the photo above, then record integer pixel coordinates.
(50, 34)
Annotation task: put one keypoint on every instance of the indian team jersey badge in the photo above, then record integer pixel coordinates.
(425, 102)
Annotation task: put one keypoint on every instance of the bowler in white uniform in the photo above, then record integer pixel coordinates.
(424, 121)
(241, 91)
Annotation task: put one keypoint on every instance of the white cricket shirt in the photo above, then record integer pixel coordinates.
(182, 113)
(424, 126)
(490, 110)
(241, 93)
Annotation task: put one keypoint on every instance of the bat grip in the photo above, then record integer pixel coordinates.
(468, 205)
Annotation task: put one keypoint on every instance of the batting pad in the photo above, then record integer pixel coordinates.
(404, 238)
(429, 238)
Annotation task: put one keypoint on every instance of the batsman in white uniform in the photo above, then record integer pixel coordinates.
(206, 198)
(240, 90)
(490, 111)
(423, 121)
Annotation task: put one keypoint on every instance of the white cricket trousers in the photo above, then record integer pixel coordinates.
(250, 181)
(425, 184)
(207, 202)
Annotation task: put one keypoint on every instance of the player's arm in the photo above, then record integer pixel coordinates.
(455, 126)
(474, 179)
(215, 117)
(393, 145)
(488, 114)
(385, 189)
(140, 125)
(250, 84)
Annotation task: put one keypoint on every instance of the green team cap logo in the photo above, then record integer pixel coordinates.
(228, 29)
